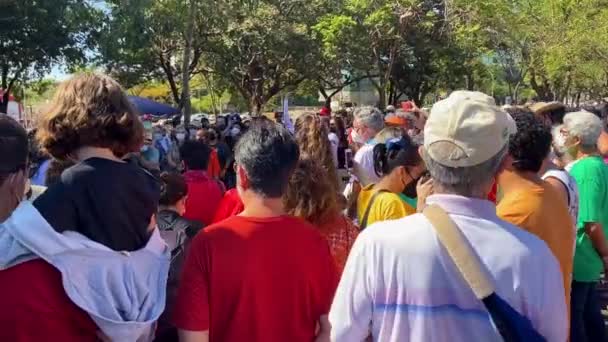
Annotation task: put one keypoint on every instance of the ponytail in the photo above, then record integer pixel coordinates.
(380, 160)
(396, 152)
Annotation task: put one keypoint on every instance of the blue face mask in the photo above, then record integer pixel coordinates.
(144, 148)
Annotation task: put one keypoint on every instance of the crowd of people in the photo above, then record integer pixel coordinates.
(351, 227)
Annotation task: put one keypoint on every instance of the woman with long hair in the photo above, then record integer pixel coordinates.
(96, 256)
(400, 166)
(312, 137)
(309, 197)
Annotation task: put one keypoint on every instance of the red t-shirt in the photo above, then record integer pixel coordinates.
(229, 206)
(36, 308)
(204, 196)
(256, 279)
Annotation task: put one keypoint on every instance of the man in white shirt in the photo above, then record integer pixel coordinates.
(399, 283)
(368, 122)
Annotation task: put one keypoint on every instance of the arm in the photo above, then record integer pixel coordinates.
(324, 330)
(596, 234)
(559, 186)
(193, 336)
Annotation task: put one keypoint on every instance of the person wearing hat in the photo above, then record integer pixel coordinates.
(466, 141)
(552, 113)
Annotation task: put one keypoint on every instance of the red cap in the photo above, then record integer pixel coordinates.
(325, 111)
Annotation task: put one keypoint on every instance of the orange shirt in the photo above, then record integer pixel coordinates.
(540, 210)
(340, 234)
(213, 169)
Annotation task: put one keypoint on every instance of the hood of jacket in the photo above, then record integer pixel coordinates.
(123, 292)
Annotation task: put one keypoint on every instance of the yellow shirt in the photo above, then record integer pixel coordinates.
(387, 206)
(542, 211)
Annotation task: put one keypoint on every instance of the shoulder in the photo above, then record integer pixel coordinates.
(406, 231)
(519, 203)
(366, 151)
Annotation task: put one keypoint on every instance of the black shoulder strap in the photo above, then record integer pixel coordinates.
(369, 207)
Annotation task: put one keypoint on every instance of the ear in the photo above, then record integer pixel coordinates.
(242, 179)
(421, 152)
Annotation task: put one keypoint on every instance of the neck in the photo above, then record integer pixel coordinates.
(584, 154)
(87, 152)
(511, 180)
(261, 207)
(387, 183)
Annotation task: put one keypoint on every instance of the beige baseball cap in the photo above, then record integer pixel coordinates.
(466, 129)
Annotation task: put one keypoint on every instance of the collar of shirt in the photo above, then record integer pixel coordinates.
(465, 206)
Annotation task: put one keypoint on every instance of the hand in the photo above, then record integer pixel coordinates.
(424, 189)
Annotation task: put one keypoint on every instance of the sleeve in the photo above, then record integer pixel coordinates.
(351, 311)
(590, 195)
(192, 305)
(391, 207)
(550, 314)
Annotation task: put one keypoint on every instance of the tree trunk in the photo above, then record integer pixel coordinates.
(187, 109)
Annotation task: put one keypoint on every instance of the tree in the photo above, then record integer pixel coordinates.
(145, 40)
(35, 35)
(263, 47)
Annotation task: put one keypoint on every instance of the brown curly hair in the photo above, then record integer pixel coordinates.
(312, 137)
(309, 196)
(90, 110)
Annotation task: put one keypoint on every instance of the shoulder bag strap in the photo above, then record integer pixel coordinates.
(369, 207)
(460, 251)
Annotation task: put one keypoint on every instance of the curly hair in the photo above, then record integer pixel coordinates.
(312, 138)
(308, 196)
(531, 144)
(90, 110)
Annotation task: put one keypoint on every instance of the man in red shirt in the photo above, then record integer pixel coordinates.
(35, 306)
(262, 275)
(204, 192)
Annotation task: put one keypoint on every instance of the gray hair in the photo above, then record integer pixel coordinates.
(370, 117)
(585, 126)
(465, 181)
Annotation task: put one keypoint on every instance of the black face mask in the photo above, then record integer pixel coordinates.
(410, 189)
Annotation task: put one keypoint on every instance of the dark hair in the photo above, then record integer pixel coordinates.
(268, 153)
(341, 131)
(173, 188)
(600, 110)
(195, 154)
(394, 153)
(90, 110)
(14, 147)
(531, 144)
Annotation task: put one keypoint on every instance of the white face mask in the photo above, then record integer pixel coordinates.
(235, 131)
(180, 136)
(358, 138)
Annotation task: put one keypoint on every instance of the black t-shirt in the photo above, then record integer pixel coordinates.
(107, 201)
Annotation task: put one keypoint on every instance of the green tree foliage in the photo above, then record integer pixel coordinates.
(36, 34)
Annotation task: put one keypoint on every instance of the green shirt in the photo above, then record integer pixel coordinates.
(591, 175)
